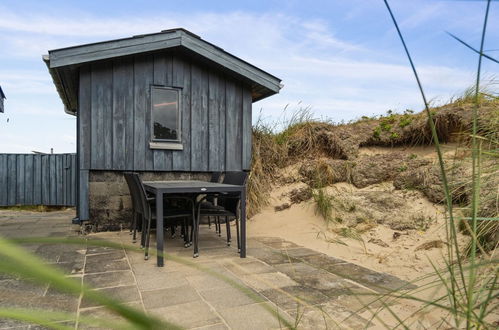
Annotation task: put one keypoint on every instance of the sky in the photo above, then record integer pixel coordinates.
(340, 58)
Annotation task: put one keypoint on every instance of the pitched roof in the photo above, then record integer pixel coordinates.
(63, 63)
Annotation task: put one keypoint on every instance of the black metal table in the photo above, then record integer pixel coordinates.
(160, 188)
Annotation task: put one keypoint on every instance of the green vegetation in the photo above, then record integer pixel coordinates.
(353, 234)
(18, 262)
(470, 284)
(323, 204)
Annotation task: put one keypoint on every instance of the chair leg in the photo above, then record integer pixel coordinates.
(193, 223)
(191, 236)
(219, 227)
(196, 233)
(237, 233)
(135, 224)
(209, 222)
(148, 238)
(185, 232)
(227, 225)
(143, 232)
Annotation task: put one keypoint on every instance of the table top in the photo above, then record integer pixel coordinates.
(189, 186)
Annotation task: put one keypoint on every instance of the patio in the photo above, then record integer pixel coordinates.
(190, 292)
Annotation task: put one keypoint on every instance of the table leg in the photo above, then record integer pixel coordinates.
(243, 223)
(159, 228)
(195, 229)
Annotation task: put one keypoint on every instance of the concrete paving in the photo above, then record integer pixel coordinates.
(218, 290)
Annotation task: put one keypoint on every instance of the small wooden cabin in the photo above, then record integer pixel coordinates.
(169, 105)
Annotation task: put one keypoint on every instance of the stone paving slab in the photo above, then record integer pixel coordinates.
(193, 314)
(218, 290)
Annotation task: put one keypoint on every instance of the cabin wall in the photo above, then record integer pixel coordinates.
(114, 109)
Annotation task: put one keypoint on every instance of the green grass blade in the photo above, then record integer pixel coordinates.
(473, 49)
(21, 263)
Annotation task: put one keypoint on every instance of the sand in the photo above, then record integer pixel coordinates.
(301, 225)
(408, 254)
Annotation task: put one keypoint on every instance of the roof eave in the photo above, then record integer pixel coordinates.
(59, 86)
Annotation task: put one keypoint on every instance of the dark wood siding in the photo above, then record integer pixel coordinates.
(28, 179)
(114, 105)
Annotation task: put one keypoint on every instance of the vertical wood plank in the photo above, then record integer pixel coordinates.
(182, 78)
(119, 92)
(122, 114)
(21, 184)
(65, 180)
(83, 203)
(128, 105)
(222, 130)
(97, 115)
(107, 105)
(85, 113)
(37, 179)
(53, 180)
(73, 180)
(149, 154)
(233, 126)
(12, 178)
(247, 130)
(143, 74)
(199, 119)
(67, 177)
(3, 180)
(45, 179)
(59, 179)
(28, 179)
(214, 122)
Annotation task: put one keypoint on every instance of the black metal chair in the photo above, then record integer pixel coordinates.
(212, 200)
(143, 209)
(135, 207)
(228, 207)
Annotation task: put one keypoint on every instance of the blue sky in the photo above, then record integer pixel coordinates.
(341, 58)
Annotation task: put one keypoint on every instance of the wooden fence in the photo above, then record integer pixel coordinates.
(36, 179)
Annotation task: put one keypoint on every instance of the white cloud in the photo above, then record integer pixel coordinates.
(23, 82)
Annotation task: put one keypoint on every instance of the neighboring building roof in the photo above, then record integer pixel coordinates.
(2, 97)
(63, 63)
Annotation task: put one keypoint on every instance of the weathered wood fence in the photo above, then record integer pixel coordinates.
(38, 179)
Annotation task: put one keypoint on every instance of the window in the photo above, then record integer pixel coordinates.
(165, 117)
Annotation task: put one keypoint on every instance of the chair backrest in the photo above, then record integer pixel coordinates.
(137, 193)
(237, 178)
(141, 194)
(131, 187)
(215, 176)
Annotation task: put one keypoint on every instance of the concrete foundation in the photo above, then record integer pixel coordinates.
(109, 198)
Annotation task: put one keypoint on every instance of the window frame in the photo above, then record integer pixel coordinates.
(155, 143)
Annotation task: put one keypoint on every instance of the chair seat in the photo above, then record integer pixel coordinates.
(221, 212)
(173, 213)
(209, 206)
